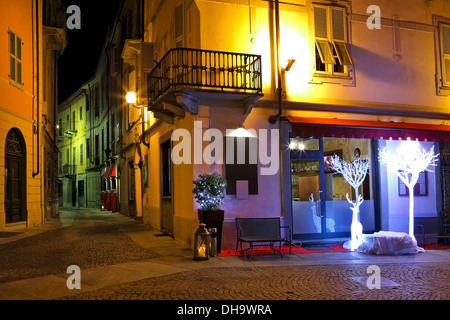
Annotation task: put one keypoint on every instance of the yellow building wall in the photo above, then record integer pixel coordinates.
(18, 106)
(382, 80)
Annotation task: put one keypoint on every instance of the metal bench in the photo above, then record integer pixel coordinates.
(432, 228)
(261, 230)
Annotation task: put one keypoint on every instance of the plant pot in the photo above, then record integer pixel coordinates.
(213, 219)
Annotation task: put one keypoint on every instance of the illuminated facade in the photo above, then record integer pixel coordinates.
(33, 35)
(312, 79)
(72, 150)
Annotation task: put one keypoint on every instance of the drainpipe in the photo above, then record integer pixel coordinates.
(35, 173)
(274, 118)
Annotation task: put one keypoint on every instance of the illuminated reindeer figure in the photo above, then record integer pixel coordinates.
(356, 226)
(354, 173)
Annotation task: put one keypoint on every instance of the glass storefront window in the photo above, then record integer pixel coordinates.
(303, 144)
(336, 188)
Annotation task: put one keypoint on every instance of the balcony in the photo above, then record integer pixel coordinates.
(69, 170)
(71, 130)
(185, 76)
(54, 24)
(53, 14)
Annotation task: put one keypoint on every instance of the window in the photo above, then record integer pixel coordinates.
(74, 156)
(81, 113)
(445, 54)
(178, 16)
(88, 147)
(96, 102)
(331, 49)
(81, 153)
(15, 58)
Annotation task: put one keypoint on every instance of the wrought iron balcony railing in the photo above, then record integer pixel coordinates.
(68, 169)
(183, 68)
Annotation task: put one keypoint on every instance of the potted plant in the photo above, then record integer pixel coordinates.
(209, 190)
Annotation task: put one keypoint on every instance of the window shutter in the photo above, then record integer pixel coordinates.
(338, 24)
(323, 47)
(320, 22)
(12, 43)
(446, 39)
(12, 54)
(12, 68)
(19, 48)
(179, 26)
(342, 53)
(446, 54)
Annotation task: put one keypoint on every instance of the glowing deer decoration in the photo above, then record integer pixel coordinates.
(354, 173)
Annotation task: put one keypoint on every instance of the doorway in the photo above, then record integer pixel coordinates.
(15, 177)
(166, 188)
(320, 208)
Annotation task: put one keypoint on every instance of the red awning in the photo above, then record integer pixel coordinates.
(107, 173)
(110, 172)
(321, 127)
(113, 172)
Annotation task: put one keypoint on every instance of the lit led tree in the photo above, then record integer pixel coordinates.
(354, 173)
(407, 162)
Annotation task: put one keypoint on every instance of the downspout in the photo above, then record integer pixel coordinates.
(142, 120)
(35, 173)
(274, 118)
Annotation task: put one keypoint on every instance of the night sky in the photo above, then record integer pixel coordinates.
(79, 59)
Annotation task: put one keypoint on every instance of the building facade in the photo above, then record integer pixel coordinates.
(33, 34)
(72, 150)
(307, 80)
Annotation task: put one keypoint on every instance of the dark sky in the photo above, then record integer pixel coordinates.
(79, 59)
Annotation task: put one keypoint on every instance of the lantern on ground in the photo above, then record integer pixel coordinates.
(202, 243)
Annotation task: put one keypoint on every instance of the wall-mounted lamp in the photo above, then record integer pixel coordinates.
(240, 132)
(289, 65)
(131, 97)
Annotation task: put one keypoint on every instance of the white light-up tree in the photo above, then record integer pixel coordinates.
(354, 173)
(407, 162)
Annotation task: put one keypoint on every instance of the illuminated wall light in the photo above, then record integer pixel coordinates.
(292, 145)
(240, 132)
(131, 97)
(301, 146)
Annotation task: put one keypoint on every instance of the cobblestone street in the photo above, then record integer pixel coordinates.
(121, 259)
(419, 281)
(89, 241)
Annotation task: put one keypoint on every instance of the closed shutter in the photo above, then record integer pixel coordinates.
(446, 54)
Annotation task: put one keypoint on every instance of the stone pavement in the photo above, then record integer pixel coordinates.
(122, 259)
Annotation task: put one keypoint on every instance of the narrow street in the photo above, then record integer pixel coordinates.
(121, 259)
(86, 238)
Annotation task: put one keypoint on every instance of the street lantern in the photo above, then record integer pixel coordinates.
(202, 243)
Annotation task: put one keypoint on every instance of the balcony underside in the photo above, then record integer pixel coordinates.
(175, 103)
